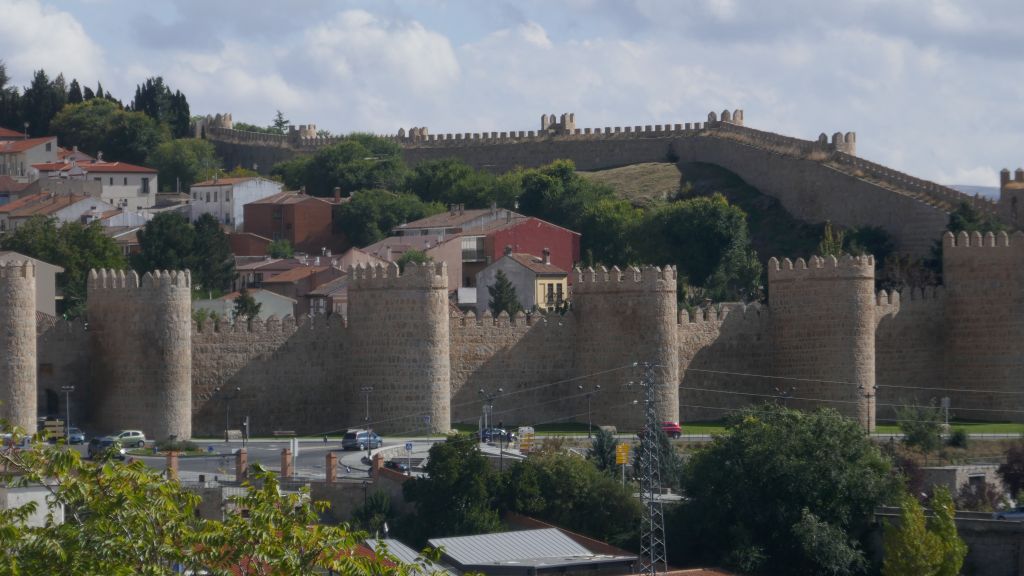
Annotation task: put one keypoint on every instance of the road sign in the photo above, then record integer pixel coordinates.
(622, 453)
(408, 446)
(426, 418)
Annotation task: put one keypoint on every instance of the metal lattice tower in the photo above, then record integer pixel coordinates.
(652, 530)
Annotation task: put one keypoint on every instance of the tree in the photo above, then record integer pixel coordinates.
(371, 214)
(414, 256)
(356, 162)
(1012, 469)
(831, 242)
(100, 125)
(184, 162)
(166, 243)
(602, 450)
(41, 101)
(922, 426)
(610, 226)
(452, 181)
(503, 296)
(280, 123)
(246, 307)
(925, 549)
(10, 101)
(128, 519)
(211, 262)
(372, 515)
(155, 99)
(670, 465)
(75, 247)
(280, 249)
(749, 487)
(453, 499)
(75, 93)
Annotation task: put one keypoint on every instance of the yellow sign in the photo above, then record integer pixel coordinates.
(622, 453)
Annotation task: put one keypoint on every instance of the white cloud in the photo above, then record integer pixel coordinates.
(33, 37)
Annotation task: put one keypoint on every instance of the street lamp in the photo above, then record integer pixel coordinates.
(67, 411)
(488, 407)
(227, 410)
(784, 394)
(369, 439)
(597, 388)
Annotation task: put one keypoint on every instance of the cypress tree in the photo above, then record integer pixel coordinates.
(503, 296)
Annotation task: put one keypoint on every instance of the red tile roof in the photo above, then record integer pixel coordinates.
(288, 198)
(296, 274)
(223, 181)
(15, 146)
(23, 201)
(537, 265)
(47, 206)
(8, 184)
(7, 133)
(94, 167)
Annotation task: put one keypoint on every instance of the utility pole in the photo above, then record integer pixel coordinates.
(590, 426)
(652, 529)
(369, 443)
(67, 411)
(488, 408)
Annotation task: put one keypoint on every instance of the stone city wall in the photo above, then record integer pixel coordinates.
(17, 347)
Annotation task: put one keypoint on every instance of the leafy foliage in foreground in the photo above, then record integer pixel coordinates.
(127, 519)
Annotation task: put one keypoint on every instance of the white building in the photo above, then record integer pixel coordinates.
(124, 185)
(225, 198)
(271, 304)
(18, 157)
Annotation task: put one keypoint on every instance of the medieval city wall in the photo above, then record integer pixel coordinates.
(724, 352)
(909, 349)
(815, 192)
(63, 360)
(529, 358)
(283, 375)
(17, 346)
(984, 313)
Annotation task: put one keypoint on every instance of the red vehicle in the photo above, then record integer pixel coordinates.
(672, 429)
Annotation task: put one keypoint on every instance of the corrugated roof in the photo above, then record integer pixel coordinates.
(406, 555)
(517, 546)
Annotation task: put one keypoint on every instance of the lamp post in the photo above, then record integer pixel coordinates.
(67, 411)
(366, 390)
(227, 410)
(597, 388)
(488, 407)
(784, 394)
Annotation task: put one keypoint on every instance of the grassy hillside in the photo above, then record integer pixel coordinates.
(774, 231)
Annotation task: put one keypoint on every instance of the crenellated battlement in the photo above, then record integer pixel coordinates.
(286, 326)
(753, 314)
(113, 280)
(18, 269)
(817, 267)
(649, 278)
(430, 275)
(978, 240)
(470, 320)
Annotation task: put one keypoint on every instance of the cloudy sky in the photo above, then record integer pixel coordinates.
(933, 88)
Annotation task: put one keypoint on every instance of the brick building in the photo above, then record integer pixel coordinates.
(304, 221)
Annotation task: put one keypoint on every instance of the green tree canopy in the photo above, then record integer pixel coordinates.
(99, 125)
(155, 99)
(503, 296)
(166, 243)
(41, 101)
(184, 162)
(453, 499)
(211, 261)
(280, 249)
(75, 247)
(932, 548)
(602, 450)
(246, 307)
(357, 162)
(371, 214)
(922, 426)
(126, 519)
(452, 181)
(748, 489)
(414, 256)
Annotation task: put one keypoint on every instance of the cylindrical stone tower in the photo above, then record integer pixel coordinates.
(18, 344)
(625, 317)
(399, 332)
(823, 334)
(141, 344)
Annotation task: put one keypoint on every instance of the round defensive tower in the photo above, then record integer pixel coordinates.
(398, 328)
(625, 317)
(141, 343)
(823, 334)
(18, 344)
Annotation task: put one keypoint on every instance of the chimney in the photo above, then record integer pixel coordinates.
(547, 256)
(508, 249)
(337, 194)
(387, 253)
(99, 157)
(508, 216)
(494, 209)
(462, 208)
(451, 209)
(302, 190)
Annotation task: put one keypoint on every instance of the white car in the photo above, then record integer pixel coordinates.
(130, 438)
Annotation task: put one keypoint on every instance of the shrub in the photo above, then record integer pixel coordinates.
(177, 445)
(957, 438)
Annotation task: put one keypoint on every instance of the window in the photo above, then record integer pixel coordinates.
(214, 195)
(49, 146)
(111, 180)
(227, 195)
(98, 179)
(145, 185)
(125, 180)
(207, 196)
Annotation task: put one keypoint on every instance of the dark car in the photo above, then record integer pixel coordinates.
(396, 465)
(495, 434)
(360, 440)
(98, 446)
(76, 436)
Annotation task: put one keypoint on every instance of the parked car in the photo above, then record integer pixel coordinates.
(130, 438)
(76, 436)
(493, 434)
(361, 440)
(396, 465)
(98, 446)
(1016, 514)
(672, 429)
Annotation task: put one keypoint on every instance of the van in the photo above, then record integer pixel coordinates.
(360, 440)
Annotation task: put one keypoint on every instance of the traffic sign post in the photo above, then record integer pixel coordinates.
(408, 458)
(621, 458)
